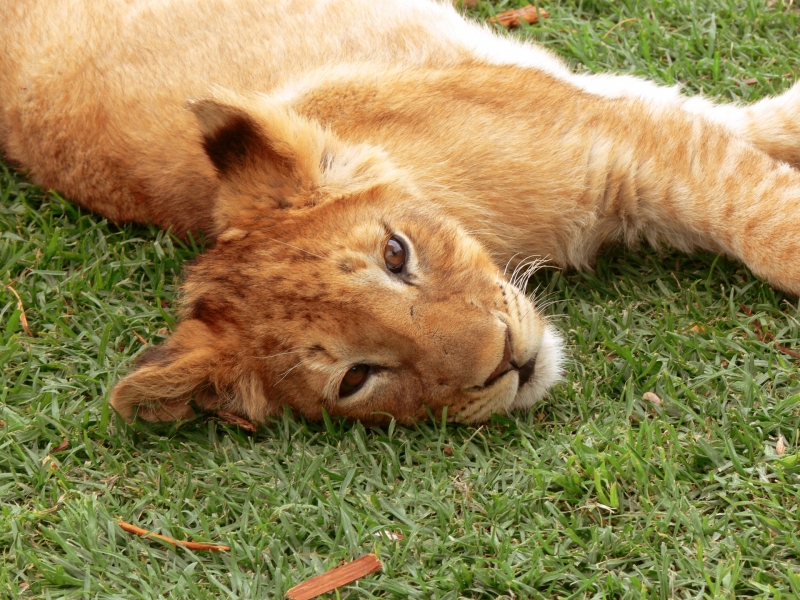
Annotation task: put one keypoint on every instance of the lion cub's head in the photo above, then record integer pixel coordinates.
(333, 285)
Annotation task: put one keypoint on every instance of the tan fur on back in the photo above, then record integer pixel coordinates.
(308, 136)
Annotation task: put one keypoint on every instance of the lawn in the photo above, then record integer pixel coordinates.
(596, 493)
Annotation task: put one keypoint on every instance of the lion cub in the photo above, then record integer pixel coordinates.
(340, 153)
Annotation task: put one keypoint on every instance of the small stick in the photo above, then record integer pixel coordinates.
(785, 350)
(512, 18)
(22, 318)
(186, 544)
(335, 578)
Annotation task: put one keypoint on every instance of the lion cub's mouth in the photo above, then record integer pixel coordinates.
(508, 364)
(525, 373)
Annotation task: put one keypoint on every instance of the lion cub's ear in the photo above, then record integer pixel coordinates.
(193, 367)
(269, 157)
(238, 138)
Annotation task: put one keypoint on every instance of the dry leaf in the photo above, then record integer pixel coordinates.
(54, 507)
(237, 420)
(512, 18)
(140, 338)
(186, 544)
(652, 398)
(22, 318)
(780, 446)
(698, 328)
(335, 578)
(392, 536)
(61, 447)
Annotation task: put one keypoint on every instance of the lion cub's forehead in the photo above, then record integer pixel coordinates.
(365, 236)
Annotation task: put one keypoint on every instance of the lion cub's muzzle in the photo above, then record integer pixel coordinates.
(524, 372)
(508, 363)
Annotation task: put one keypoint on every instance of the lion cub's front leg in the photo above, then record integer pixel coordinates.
(771, 124)
(677, 177)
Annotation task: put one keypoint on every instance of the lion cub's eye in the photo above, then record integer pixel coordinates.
(395, 255)
(354, 379)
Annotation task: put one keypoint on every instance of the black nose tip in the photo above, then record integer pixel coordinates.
(526, 371)
(505, 363)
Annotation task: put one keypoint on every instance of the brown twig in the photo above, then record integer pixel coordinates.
(766, 337)
(787, 351)
(186, 544)
(512, 18)
(335, 578)
(22, 318)
(140, 338)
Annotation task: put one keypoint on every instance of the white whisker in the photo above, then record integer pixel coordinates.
(297, 248)
(281, 354)
(509, 262)
(289, 371)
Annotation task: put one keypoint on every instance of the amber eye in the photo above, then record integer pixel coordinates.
(354, 379)
(395, 255)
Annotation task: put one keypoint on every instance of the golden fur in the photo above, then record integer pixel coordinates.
(304, 135)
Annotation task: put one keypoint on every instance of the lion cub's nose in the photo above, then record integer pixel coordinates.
(505, 362)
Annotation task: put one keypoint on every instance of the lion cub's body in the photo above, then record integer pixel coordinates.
(238, 117)
(122, 77)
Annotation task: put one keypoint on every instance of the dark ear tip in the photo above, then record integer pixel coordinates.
(229, 146)
(234, 138)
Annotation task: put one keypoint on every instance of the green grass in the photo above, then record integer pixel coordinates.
(597, 493)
